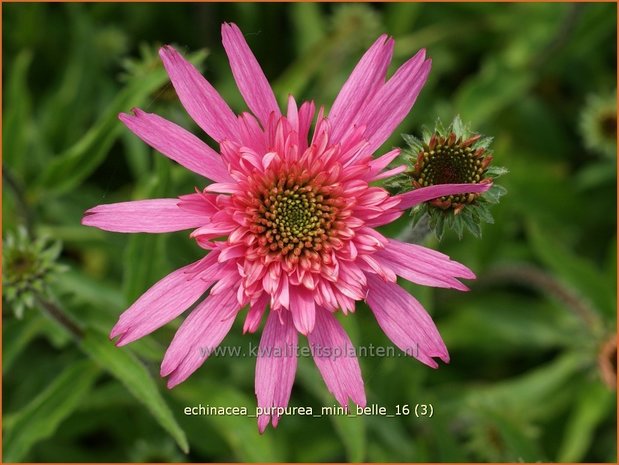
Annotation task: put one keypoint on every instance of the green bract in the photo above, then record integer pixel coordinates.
(452, 154)
(598, 124)
(27, 268)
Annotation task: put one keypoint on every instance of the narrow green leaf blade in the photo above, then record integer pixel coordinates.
(134, 376)
(42, 416)
(352, 431)
(593, 406)
(576, 271)
(239, 432)
(16, 335)
(145, 253)
(17, 114)
(70, 168)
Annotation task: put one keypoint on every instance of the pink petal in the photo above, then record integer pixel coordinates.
(276, 365)
(223, 187)
(423, 266)
(166, 300)
(228, 279)
(417, 196)
(390, 173)
(293, 114)
(363, 83)
(248, 74)
(177, 143)
(198, 96)
(232, 251)
(147, 216)
(378, 267)
(380, 163)
(405, 321)
(386, 217)
(394, 100)
(198, 336)
(300, 121)
(212, 230)
(419, 273)
(418, 255)
(254, 315)
(281, 297)
(199, 203)
(335, 357)
(306, 115)
(303, 309)
(251, 134)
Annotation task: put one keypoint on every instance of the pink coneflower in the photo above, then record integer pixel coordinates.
(288, 222)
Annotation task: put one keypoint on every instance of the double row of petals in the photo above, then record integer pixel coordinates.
(367, 110)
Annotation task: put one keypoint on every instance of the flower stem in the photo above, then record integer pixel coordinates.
(539, 279)
(57, 314)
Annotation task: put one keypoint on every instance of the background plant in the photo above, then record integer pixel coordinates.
(532, 372)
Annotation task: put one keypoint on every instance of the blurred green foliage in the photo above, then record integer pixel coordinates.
(531, 346)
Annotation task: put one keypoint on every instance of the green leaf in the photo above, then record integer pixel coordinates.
(515, 323)
(592, 407)
(400, 17)
(488, 93)
(309, 24)
(138, 154)
(518, 439)
(42, 416)
(123, 365)
(301, 71)
(70, 168)
(577, 272)
(392, 442)
(535, 388)
(145, 253)
(592, 176)
(351, 430)
(88, 289)
(16, 335)
(239, 432)
(17, 108)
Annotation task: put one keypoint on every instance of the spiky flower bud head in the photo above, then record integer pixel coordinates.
(453, 155)
(598, 124)
(28, 266)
